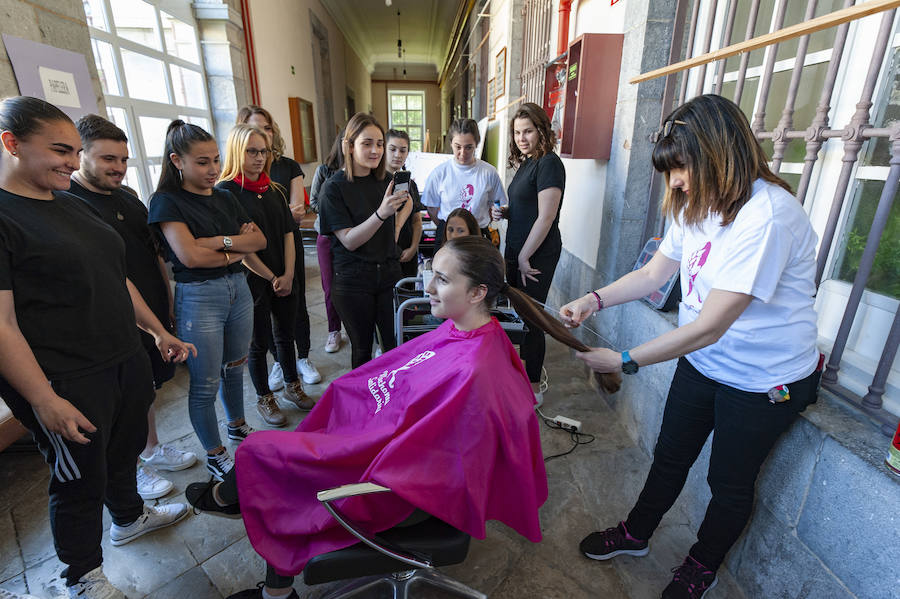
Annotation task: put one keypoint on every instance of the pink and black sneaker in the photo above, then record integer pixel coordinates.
(692, 580)
(612, 542)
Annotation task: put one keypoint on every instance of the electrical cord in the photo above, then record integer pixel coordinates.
(577, 438)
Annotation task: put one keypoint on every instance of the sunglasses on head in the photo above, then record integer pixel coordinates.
(668, 126)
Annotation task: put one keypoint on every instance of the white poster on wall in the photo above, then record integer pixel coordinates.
(59, 87)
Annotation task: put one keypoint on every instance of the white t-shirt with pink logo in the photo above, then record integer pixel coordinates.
(474, 187)
(769, 252)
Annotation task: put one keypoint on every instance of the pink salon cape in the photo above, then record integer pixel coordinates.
(446, 421)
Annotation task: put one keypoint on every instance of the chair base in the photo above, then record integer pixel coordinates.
(400, 582)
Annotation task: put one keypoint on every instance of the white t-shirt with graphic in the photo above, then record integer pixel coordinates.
(474, 187)
(769, 252)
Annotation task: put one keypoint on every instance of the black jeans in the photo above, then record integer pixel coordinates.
(363, 295)
(85, 477)
(533, 345)
(273, 324)
(746, 427)
(301, 320)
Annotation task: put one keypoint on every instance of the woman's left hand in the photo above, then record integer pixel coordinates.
(601, 359)
(283, 285)
(408, 254)
(526, 271)
(174, 349)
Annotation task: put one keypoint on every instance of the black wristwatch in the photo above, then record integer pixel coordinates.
(629, 366)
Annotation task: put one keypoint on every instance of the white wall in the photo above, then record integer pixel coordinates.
(283, 39)
(581, 216)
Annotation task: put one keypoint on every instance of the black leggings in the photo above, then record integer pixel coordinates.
(301, 319)
(273, 324)
(745, 427)
(533, 345)
(363, 295)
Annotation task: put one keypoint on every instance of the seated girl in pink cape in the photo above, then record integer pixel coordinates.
(446, 421)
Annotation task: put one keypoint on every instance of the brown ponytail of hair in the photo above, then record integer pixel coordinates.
(482, 264)
(534, 315)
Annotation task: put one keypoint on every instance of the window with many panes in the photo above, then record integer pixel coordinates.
(408, 114)
(149, 66)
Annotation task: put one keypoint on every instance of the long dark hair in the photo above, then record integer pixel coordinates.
(541, 122)
(335, 160)
(180, 136)
(481, 263)
(23, 115)
(711, 137)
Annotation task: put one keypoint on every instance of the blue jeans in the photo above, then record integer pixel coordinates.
(217, 317)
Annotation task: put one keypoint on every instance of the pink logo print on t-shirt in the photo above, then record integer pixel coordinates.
(466, 195)
(694, 265)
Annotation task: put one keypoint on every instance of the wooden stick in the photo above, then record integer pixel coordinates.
(516, 101)
(800, 29)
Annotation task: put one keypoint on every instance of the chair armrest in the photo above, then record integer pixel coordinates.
(372, 540)
(349, 491)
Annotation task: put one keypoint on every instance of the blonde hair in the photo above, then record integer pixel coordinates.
(236, 149)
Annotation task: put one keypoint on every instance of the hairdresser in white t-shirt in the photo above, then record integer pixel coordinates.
(464, 182)
(746, 340)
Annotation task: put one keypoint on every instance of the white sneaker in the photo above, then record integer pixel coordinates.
(276, 378)
(166, 457)
(334, 342)
(150, 485)
(152, 519)
(309, 373)
(4, 594)
(94, 585)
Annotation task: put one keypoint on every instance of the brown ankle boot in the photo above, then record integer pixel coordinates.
(294, 393)
(269, 411)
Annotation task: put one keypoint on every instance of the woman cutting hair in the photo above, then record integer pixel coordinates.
(746, 341)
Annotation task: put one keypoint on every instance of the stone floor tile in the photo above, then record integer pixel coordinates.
(147, 563)
(193, 584)
(32, 522)
(235, 568)
(23, 477)
(45, 580)
(14, 584)
(205, 535)
(11, 563)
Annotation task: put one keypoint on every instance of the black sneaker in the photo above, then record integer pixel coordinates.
(691, 581)
(239, 433)
(219, 464)
(257, 593)
(612, 542)
(200, 496)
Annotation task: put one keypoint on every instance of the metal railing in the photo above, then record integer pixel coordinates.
(537, 16)
(854, 134)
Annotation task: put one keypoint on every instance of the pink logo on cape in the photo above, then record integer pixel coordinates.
(694, 265)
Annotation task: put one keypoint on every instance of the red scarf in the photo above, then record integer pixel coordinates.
(261, 185)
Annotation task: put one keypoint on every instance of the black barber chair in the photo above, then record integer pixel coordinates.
(396, 558)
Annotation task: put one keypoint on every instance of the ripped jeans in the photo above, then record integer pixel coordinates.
(217, 317)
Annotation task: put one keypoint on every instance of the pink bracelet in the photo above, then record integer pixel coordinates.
(599, 301)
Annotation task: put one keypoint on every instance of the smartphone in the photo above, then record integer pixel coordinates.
(401, 181)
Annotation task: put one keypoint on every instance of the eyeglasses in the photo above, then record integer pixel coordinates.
(254, 153)
(668, 126)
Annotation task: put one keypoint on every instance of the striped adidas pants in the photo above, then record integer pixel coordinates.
(85, 477)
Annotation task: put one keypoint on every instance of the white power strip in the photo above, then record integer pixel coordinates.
(569, 424)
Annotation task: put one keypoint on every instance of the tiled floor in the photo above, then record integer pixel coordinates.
(204, 557)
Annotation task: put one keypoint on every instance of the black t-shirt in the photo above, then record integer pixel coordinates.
(404, 239)
(283, 171)
(344, 205)
(205, 216)
(269, 212)
(533, 176)
(66, 269)
(127, 215)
